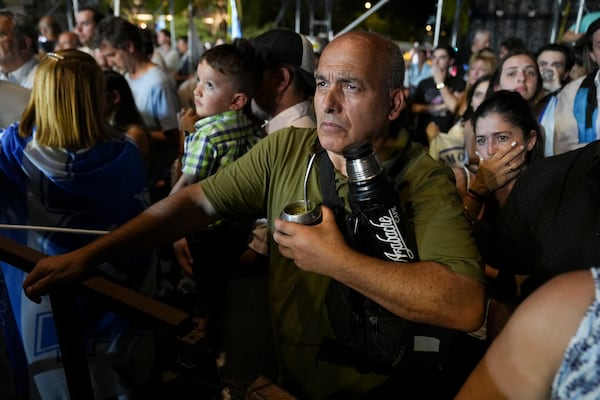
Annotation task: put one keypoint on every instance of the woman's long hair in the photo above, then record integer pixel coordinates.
(126, 112)
(67, 102)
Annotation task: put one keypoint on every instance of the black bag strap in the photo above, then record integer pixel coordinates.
(327, 181)
(330, 196)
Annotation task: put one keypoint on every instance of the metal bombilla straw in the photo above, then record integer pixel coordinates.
(308, 168)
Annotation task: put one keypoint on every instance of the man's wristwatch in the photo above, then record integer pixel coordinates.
(440, 86)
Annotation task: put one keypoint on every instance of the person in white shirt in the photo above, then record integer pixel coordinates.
(576, 116)
(85, 23)
(154, 92)
(86, 20)
(167, 51)
(18, 48)
(13, 99)
(555, 61)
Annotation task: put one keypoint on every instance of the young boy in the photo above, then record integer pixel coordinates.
(227, 77)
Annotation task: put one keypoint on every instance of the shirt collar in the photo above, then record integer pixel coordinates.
(23, 75)
(224, 116)
(286, 118)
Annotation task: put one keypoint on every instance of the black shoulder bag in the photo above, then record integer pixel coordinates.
(368, 336)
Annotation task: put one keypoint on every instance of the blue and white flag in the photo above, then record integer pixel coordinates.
(235, 18)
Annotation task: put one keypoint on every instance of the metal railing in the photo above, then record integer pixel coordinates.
(153, 314)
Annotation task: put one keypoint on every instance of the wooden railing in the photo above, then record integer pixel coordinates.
(153, 314)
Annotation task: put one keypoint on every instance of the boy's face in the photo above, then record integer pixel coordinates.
(214, 92)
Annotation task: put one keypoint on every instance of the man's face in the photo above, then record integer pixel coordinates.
(441, 59)
(182, 46)
(66, 40)
(84, 27)
(595, 54)
(352, 101)
(9, 48)
(161, 38)
(555, 61)
(267, 91)
(481, 41)
(116, 58)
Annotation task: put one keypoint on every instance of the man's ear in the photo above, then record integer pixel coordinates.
(284, 78)
(238, 101)
(396, 103)
(130, 47)
(27, 43)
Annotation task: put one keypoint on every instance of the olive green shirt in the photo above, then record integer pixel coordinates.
(272, 175)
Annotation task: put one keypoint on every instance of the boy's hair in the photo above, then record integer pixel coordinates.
(239, 61)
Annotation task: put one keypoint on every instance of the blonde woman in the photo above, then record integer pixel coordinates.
(63, 166)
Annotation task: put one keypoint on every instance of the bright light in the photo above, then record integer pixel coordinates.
(144, 17)
(143, 25)
(209, 20)
(367, 4)
(169, 17)
(428, 28)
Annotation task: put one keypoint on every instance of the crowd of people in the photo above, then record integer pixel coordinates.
(492, 153)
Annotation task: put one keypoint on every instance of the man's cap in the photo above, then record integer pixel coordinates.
(281, 46)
